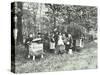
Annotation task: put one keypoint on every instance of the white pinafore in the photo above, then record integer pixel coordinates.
(60, 41)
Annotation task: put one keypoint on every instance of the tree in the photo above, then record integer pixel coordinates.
(18, 24)
(76, 30)
(29, 18)
(53, 12)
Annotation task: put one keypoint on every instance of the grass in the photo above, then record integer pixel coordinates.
(85, 59)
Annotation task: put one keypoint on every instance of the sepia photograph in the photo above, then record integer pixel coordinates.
(48, 37)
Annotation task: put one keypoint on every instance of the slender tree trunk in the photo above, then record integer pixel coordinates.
(68, 17)
(19, 23)
(54, 17)
(54, 21)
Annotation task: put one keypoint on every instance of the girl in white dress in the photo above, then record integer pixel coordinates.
(60, 41)
(60, 45)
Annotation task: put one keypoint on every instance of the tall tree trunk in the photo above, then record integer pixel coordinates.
(19, 23)
(54, 21)
(54, 17)
(68, 15)
(12, 38)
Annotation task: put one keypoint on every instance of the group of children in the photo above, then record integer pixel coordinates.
(56, 41)
(61, 42)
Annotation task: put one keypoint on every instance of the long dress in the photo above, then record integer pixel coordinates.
(52, 43)
(60, 41)
(68, 42)
(60, 45)
(56, 38)
(46, 43)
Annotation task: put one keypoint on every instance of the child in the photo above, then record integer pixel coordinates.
(46, 43)
(60, 44)
(60, 41)
(68, 43)
(27, 42)
(52, 42)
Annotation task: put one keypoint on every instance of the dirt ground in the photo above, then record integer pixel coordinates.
(85, 59)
